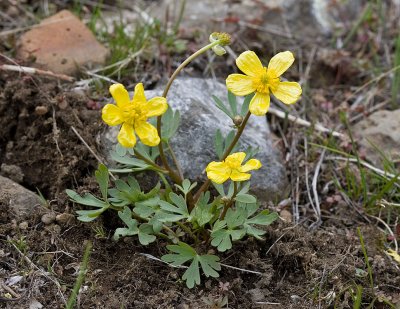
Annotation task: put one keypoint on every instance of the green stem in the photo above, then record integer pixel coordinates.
(187, 230)
(149, 162)
(230, 203)
(176, 177)
(239, 132)
(164, 179)
(175, 159)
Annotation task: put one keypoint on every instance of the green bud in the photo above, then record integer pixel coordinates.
(237, 120)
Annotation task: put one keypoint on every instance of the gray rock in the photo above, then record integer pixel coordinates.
(301, 18)
(48, 218)
(380, 130)
(13, 172)
(194, 141)
(21, 202)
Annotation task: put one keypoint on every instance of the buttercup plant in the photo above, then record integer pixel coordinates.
(192, 220)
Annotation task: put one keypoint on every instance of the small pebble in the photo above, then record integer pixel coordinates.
(48, 218)
(41, 110)
(65, 219)
(23, 225)
(286, 215)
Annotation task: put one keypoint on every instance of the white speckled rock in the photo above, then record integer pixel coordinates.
(194, 141)
(380, 130)
(19, 202)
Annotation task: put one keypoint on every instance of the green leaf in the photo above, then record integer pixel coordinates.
(178, 211)
(145, 234)
(263, 218)
(245, 198)
(89, 215)
(222, 106)
(103, 179)
(232, 103)
(245, 105)
(186, 186)
(192, 274)
(219, 144)
(235, 218)
(202, 212)
(219, 188)
(120, 150)
(88, 199)
(170, 124)
(184, 253)
(228, 230)
(132, 224)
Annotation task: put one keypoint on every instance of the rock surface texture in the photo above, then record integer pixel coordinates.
(16, 199)
(194, 141)
(299, 18)
(61, 43)
(380, 130)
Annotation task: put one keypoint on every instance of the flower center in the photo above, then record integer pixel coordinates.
(232, 163)
(134, 114)
(265, 82)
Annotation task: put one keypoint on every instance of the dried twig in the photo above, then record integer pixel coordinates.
(29, 70)
(41, 271)
(91, 150)
(303, 122)
(151, 257)
(314, 184)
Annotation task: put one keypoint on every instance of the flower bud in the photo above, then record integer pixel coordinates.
(223, 39)
(237, 120)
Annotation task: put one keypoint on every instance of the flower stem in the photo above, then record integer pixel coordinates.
(239, 132)
(230, 203)
(187, 230)
(159, 168)
(175, 176)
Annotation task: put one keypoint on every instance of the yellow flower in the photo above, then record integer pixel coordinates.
(232, 168)
(263, 80)
(133, 115)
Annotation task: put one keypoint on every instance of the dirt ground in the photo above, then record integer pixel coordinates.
(296, 266)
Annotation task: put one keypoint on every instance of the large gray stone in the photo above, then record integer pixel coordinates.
(301, 18)
(194, 141)
(18, 201)
(380, 130)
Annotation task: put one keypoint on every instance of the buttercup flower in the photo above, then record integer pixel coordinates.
(263, 80)
(232, 168)
(133, 115)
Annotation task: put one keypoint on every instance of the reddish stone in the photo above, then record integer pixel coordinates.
(61, 43)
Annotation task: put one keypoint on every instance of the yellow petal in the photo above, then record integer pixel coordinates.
(394, 255)
(236, 157)
(112, 115)
(147, 133)
(138, 96)
(238, 176)
(249, 63)
(126, 136)
(120, 95)
(252, 164)
(280, 63)
(240, 84)
(259, 104)
(156, 106)
(218, 172)
(287, 92)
